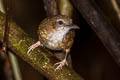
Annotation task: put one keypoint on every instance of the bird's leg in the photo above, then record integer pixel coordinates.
(32, 47)
(64, 61)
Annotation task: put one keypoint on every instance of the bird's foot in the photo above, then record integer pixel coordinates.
(32, 47)
(61, 64)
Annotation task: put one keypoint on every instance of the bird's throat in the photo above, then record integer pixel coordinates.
(58, 35)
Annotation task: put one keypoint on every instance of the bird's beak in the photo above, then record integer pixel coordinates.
(73, 26)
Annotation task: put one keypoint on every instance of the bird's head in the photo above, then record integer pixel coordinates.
(64, 22)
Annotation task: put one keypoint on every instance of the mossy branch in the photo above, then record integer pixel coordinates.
(40, 59)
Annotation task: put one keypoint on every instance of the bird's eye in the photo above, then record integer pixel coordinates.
(60, 22)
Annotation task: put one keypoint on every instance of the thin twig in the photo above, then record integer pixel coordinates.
(7, 66)
(12, 59)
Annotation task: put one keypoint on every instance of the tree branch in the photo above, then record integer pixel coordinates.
(51, 7)
(104, 30)
(40, 59)
(111, 10)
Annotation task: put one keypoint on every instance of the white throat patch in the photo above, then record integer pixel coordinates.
(58, 35)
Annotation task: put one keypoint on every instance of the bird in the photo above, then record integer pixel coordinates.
(56, 33)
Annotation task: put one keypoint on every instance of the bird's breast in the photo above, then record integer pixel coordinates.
(56, 37)
(56, 40)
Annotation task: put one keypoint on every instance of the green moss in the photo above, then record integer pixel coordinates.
(20, 47)
(44, 60)
(23, 45)
(39, 58)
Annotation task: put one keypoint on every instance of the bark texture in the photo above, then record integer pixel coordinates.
(108, 35)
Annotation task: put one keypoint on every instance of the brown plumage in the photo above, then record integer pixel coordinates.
(56, 33)
(43, 33)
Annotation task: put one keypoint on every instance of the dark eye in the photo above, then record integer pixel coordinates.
(60, 22)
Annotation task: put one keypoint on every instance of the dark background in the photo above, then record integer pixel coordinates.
(90, 59)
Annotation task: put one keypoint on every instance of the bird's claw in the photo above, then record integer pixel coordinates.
(61, 64)
(32, 47)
